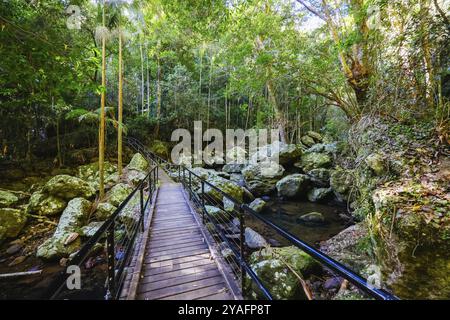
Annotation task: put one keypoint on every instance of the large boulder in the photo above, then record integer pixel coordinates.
(253, 239)
(11, 222)
(90, 174)
(341, 182)
(307, 141)
(258, 205)
(271, 265)
(316, 136)
(284, 154)
(293, 185)
(233, 168)
(74, 217)
(138, 162)
(45, 205)
(319, 177)
(104, 210)
(68, 187)
(319, 194)
(227, 186)
(261, 178)
(217, 214)
(313, 160)
(134, 177)
(7, 199)
(118, 193)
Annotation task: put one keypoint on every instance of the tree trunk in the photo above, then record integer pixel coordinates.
(120, 111)
(142, 78)
(101, 139)
(158, 93)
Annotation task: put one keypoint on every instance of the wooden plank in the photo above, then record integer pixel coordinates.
(177, 255)
(178, 273)
(180, 263)
(164, 242)
(169, 246)
(175, 250)
(182, 288)
(183, 279)
(199, 293)
(217, 296)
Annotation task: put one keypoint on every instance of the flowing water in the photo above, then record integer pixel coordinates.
(286, 214)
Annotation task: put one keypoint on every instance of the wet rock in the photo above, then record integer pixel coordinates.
(14, 249)
(118, 194)
(312, 218)
(72, 219)
(314, 160)
(319, 194)
(293, 185)
(45, 205)
(284, 154)
(376, 162)
(11, 222)
(138, 162)
(68, 187)
(104, 211)
(233, 168)
(253, 239)
(319, 177)
(261, 178)
(270, 265)
(7, 199)
(258, 205)
(89, 230)
(17, 261)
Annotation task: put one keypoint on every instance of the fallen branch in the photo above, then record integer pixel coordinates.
(19, 274)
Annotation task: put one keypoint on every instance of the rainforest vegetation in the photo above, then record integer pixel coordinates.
(360, 90)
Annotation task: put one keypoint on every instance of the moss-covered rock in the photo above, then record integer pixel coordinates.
(90, 174)
(319, 177)
(104, 210)
(11, 222)
(294, 185)
(315, 135)
(90, 230)
(226, 186)
(261, 178)
(314, 160)
(45, 205)
(270, 265)
(134, 177)
(307, 141)
(319, 194)
(118, 193)
(68, 187)
(74, 217)
(138, 162)
(217, 214)
(7, 199)
(341, 181)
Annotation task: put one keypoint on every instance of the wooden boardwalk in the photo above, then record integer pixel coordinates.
(177, 258)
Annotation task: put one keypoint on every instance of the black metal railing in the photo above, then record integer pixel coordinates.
(112, 245)
(210, 201)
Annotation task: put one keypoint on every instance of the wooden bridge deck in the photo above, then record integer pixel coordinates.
(178, 261)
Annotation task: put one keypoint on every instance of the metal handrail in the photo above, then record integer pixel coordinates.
(115, 274)
(342, 270)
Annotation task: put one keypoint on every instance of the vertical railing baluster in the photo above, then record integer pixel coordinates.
(203, 201)
(141, 196)
(111, 261)
(241, 247)
(190, 185)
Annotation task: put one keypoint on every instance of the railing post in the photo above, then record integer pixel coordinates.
(203, 201)
(111, 261)
(150, 187)
(190, 185)
(141, 196)
(241, 247)
(184, 176)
